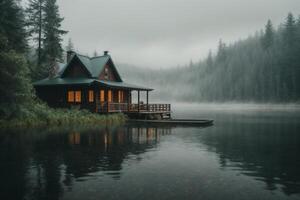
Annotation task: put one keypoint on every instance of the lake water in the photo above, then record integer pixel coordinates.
(251, 152)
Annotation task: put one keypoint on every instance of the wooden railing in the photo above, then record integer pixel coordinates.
(124, 107)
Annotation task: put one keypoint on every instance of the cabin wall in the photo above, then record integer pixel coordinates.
(57, 96)
(107, 73)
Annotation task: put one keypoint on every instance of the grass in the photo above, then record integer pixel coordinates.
(41, 115)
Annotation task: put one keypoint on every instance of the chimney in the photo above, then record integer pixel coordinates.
(106, 53)
(69, 55)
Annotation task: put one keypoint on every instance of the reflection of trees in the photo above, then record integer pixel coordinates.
(268, 152)
(13, 166)
(39, 165)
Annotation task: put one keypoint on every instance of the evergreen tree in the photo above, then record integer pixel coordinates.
(70, 45)
(15, 87)
(35, 14)
(221, 55)
(53, 32)
(290, 56)
(12, 25)
(268, 38)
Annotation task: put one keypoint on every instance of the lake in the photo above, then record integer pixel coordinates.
(251, 152)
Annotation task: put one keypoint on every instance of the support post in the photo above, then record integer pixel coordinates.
(106, 99)
(147, 100)
(138, 101)
(128, 100)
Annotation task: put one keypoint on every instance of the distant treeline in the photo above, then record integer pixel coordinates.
(262, 68)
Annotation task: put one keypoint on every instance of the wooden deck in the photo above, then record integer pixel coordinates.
(144, 111)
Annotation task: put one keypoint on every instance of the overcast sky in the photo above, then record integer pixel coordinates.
(165, 33)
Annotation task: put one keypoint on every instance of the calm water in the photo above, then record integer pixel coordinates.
(250, 153)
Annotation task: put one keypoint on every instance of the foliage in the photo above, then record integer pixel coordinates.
(12, 25)
(39, 114)
(44, 27)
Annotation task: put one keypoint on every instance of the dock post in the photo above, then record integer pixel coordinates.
(147, 100)
(128, 100)
(138, 101)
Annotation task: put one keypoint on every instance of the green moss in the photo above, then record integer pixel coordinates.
(41, 115)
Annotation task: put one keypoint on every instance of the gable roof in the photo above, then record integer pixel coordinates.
(93, 65)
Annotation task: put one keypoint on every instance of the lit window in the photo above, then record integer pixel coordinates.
(91, 96)
(109, 96)
(70, 96)
(120, 96)
(78, 96)
(101, 95)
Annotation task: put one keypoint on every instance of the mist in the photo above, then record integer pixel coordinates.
(165, 33)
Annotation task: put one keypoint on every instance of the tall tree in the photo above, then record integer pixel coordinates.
(290, 55)
(53, 32)
(70, 45)
(15, 88)
(12, 25)
(35, 14)
(221, 55)
(268, 38)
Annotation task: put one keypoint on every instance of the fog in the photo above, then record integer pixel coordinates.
(165, 33)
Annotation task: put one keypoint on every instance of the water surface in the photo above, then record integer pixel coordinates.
(250, 153)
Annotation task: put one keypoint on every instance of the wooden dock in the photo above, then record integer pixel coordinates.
(174, 122)
(137, 111)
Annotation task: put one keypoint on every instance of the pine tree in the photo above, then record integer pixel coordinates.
(35, 15)
(70, 45)
(268, 37)
(53, 32)
(15, 87)
(12, 25)
(221, 55)
(290, 56)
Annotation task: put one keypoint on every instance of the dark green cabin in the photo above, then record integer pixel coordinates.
(93, 84)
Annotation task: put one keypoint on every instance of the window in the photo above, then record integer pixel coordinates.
(91, 96)
(109, 96)
(78, 96)
(70, 96)
(120, 96)
(102, 96)
(106, 73)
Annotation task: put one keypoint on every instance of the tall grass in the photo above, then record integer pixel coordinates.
(41, 115)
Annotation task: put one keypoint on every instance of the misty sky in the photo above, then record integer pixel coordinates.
(165, 33)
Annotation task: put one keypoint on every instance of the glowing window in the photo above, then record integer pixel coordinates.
(78, 96)
(70, 96)
(109, 96)
(101, 95)
(120, 96)
(91, 96)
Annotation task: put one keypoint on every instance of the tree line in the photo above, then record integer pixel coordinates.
(39, 22)
(265, 67)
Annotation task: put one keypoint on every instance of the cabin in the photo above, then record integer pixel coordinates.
(94, 83)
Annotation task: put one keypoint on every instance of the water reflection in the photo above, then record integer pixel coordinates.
(42, 165)
(148, 162)
(268, 151)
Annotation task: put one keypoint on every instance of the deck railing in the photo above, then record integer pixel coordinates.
(125, 107)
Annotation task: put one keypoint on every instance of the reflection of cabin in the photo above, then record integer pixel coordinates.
(95, 84)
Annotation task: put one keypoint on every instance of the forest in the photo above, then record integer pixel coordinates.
(264, 68)
(30, 42)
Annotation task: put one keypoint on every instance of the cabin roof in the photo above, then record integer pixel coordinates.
(94, 65)
(87, 81)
